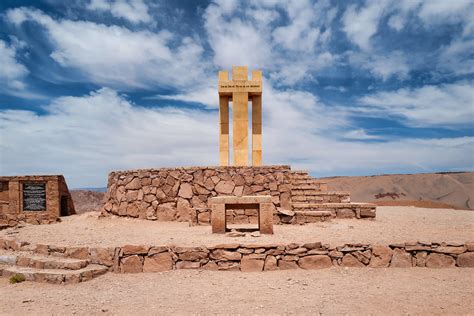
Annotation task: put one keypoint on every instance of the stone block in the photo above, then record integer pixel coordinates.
(135, 249)
(450, 249)
(351, 261)
(158, 262)
(188, 265)
(131, 264)
(218, 219)
(266, 218)
(315, 262)
(368, 212)
(466, 260)
(211, 266)
(420, 258)
(400, 259)
(249, 264)
(270, 264)
(185, 191)
(77, 252)
(221, 254)
(438, 260)
(228, 265)
(287, 265)
(381, 256)
(103, 256)
(193, 255)
(345, 213)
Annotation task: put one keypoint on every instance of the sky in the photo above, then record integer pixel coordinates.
(350, 87)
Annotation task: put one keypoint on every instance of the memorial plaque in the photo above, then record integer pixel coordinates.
(34, 197)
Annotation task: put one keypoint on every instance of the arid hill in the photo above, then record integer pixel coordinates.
(87, 201)
(422, 190)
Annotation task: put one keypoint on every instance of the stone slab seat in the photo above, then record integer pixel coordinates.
(340, 210)
(55, 276)
(265, 211)
(43, 262)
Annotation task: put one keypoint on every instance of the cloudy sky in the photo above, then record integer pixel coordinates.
(350, 87)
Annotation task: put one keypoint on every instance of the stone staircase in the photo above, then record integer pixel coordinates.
(312, 202)
(48, 269)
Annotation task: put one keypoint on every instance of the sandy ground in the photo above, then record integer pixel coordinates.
(393, 224)
(329, 291)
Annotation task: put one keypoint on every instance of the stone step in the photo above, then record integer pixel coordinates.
(43, 262)
(306, 181)
(341, 210)
(305, 187)
(302, 217)
(314, 213)
(333, 205)
(55, 276)
(303, 198)
(299, 172)
(319, 193)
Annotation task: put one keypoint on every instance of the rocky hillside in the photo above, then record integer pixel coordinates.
(87, 201)
(424, 190)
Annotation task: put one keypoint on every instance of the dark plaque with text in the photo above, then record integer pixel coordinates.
(34, 197)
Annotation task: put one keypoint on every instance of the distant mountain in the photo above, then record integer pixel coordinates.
(444, 188)
(87, 200)
(104, 189)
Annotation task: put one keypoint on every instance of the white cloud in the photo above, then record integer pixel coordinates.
(86, 137)
(117, 57)
(289, 53)
(205, 96)
(135, 11)
(234, 41)
(383, 66)
(445, 105)
(360, 24)
(434, 10)
(12, 72)
(360, 134)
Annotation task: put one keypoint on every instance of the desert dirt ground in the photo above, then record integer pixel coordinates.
(329, 291)
(393, 224)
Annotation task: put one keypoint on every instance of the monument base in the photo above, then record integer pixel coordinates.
(182, 194)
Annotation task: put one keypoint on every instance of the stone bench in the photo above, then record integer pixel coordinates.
(220, 204)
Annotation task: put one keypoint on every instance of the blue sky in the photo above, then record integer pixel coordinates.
(350, 87)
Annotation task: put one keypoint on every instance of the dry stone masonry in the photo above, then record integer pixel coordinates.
(61, 264)
(33, 199)
(181, 194)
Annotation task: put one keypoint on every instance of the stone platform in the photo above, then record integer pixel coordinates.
(182, 194)
(64, 265)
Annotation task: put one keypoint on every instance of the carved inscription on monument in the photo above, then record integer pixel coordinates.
(34, 197)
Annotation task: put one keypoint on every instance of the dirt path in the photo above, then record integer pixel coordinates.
(393, 224)
(329, 291)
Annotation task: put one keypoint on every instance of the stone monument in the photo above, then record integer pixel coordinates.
(239, 91)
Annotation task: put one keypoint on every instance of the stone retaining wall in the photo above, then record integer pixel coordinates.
(12, 210)
(169, 194)
(262, 257)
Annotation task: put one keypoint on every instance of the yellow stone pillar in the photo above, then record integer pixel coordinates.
(240, 112)
(224, 130)
(238, 90)
(257, 130)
